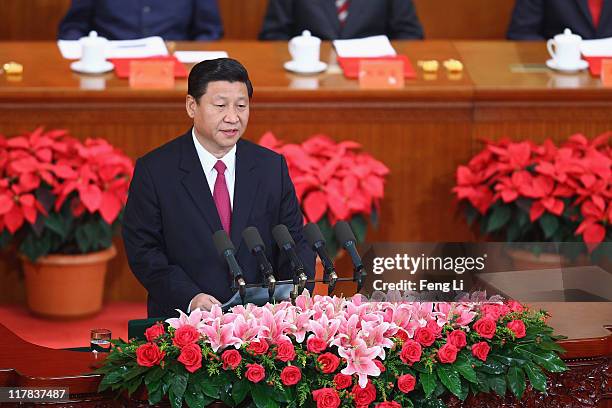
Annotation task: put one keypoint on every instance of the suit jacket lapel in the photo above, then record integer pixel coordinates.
(584, 7)
(195, 183)
(351, 25)
(605, 19)
(331, 12)
(245, 190)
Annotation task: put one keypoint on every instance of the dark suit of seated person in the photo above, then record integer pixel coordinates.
(176, 20)
(204, 181)
(543, 19)
(341, 19)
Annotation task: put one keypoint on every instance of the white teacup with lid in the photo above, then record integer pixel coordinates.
(565, 50)
(93, 58)
(305, 52)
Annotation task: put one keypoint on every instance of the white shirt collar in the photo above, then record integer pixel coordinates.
(208, 160)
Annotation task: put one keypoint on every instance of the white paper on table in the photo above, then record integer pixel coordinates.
(376, 46)
(140, 48)
(597, 48)
(193, 57)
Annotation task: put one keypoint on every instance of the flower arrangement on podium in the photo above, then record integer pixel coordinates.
(334, 352)
(528, 192)
(334, 181)
(61, 197)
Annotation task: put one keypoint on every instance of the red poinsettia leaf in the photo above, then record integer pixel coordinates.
(360, 171)
(350, 184)
(19, 142)
(374, 186)
(578, 139)
(47, 177)
(29, 213)
(44, 155)
(91, 196)
(536, 211)
(13, 220)
(546, 168)
(27, 200)
(590, 210)
(543, 186)
(26, 165)
(553, 205)
(599, 202)
(6, 203)
(330, 168)
(77, 207)
(110, 206)
(319, 144)
(520, 154)
(28, 181)
(269, 141)
(509, 195)
(465, 176)
(315, 205)
(594, 233)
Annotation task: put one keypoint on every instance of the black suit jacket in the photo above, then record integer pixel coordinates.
(543, 19)
(170, 218)
(288, 18)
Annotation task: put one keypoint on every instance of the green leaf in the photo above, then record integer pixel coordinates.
(550, 346)
(34, 248)
(483, 382)
(359, 226)
(499, 217)
(516, 381)
(133, 384)
(155, 392)
(178, 385)
(492, 367)
(85, 236)
(56, 223)
(134, 372)
(209, 389)
(240, 391)
(154, 375)
(498, 384)
(463, 366)
(5, 238)
(450, 379)
(428, 380)
(536, 377)
(549, 360)
(194, 398)
(262, 398)
(109, 379)
(549, 224)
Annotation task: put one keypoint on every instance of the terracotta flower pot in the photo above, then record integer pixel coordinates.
(66, 286)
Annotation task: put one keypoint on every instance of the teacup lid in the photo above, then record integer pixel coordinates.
(306, 38)
(93, 39)
(568, 36)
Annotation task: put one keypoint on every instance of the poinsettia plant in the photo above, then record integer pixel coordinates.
(528, 192)
(334, 181)
(60, 195)
(334, 352)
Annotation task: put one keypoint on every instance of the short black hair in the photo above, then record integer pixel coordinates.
(220, 69)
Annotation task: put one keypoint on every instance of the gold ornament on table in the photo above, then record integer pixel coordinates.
(429, 65)
(453, 65)
(12, 68)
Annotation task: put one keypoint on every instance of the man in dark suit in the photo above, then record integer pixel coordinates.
(543, 19)
(341, 19)
(206, 180)
(176, 20)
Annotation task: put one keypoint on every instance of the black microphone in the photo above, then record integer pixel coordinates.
(287, 244)
(226, 250)
(258, 248)
(317, 243)
(346, 238)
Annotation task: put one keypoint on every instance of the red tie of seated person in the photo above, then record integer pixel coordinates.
(221, 197)
(595, 8)
(342, 6)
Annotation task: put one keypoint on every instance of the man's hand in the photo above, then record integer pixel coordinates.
(203, 301)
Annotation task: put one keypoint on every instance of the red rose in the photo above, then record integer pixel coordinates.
(191, 357)
(258, 347)
(447, 353)
(231, 359)
(411, 352)
(406, 383)
(491, 310)
(457, 338)
(364, 396)
(485, 327)
(515, 306)
(316, 345)
(255, 373)
(425, 336)
(343, 381)
(433, 325)
(380, 366)
(291, 375)
(285, 351)
(388, 404)
(402, 335)
(149, 355)
(185, 335)
(329, 362)
(481, 350)
(518, 327)
(326, 398)
(153, 332)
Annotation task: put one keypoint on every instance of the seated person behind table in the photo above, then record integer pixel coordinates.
(543, 19)
(176, 20)
(338, 19)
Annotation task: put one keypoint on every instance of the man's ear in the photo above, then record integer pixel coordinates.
(190, 106)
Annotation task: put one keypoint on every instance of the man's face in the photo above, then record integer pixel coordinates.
(221, 116)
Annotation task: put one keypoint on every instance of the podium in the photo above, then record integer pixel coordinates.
(588, 383)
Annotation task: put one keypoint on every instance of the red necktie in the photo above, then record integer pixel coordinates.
(342, 6)
(595, 8)
(221, 197)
